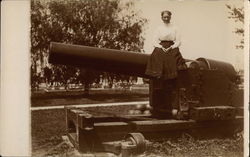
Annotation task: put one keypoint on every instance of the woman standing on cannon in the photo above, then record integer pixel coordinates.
(164, 64)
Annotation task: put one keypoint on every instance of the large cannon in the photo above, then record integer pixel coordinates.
(118, 61)
(207, 91)
(205, 83)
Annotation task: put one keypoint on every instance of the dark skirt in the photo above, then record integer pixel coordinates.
(165, 65)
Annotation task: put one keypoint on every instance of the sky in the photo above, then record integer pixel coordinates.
(204, 26)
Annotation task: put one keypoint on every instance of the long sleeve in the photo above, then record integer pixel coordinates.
(177, 41)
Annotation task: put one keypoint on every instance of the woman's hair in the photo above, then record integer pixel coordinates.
(166, 11)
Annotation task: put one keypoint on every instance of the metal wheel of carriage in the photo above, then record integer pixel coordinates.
(138, 140)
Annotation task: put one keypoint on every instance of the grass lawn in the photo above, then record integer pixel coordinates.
(95, 96)
(48, 126)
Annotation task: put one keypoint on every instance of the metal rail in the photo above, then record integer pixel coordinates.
(89, 105)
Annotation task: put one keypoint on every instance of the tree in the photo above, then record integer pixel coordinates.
(98, 23)
(237, 14)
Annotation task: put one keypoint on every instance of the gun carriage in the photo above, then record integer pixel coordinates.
(206, 95)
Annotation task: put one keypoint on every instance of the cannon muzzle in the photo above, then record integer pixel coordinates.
(110, 60)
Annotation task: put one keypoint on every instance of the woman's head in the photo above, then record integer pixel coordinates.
(166, 16)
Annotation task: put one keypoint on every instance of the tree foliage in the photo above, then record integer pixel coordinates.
(98, 23)
(237, 14)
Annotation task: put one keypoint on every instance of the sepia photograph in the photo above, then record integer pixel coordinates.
(134, 78)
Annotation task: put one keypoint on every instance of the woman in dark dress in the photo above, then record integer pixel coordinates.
(163, 66)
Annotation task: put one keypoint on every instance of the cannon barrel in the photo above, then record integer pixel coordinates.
(120, 61)
(116, 61)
